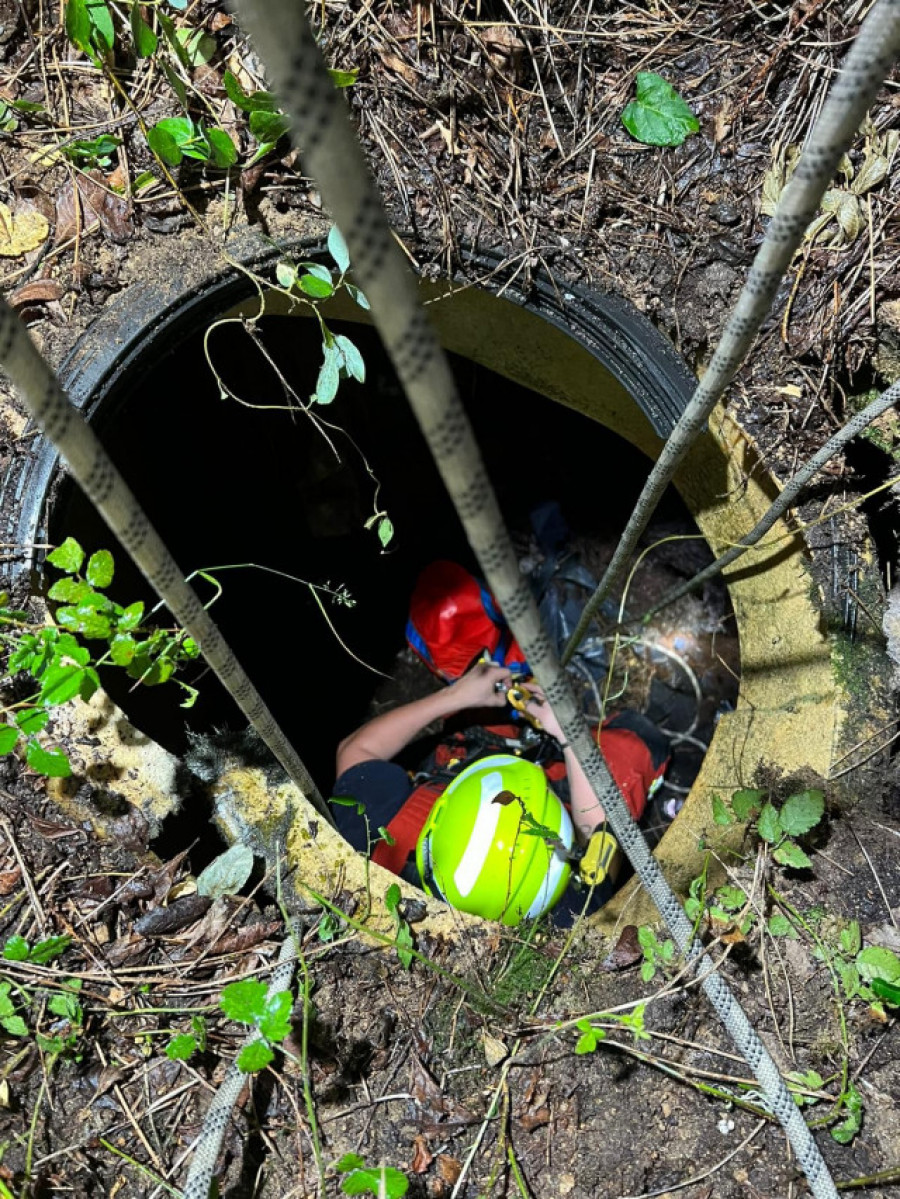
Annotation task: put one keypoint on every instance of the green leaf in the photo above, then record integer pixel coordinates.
(731, 898)
(122, 649)
(319, 289)
(8, 738)
(320, 271)
(198, 46)
(790, 854)
(886, 991)
(165, 146)
(721, 815)
(176, 83)
(145, 40)
(14, 1025)
(769, 826)
(329, 374)
(404, 944)
(376, 1180)
(267, 126)
(659, 116)
(244, 1001)
(7, 1007)
(286, 274)
(60, 684)
(344, 78)
(226, 874)
(100, 569)
(248, 101)
(103, 33)
(847, 1130)
(392, 898)
(48, 949)
(131, 617)
(68, 556)
(385, 531)
(16, 949)
(780, 926)
(181, 1047)
(68, 590)
(586, 1043)
(275, 1024)
(350, 1161)
(353, 360)
(876, 962)
(358, 296)
(68, 647)
(78, 27)
(52, 763)
(802, 812)
(86, 620)
(337, 248)
(32, 720)
(224, 151)
(747, 803)
(198, 1024)
(255, 1056)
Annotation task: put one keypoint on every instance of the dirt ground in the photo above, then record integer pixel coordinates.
(495, 125)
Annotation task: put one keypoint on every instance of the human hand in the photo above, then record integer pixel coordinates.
(541, 710)
(480, 687)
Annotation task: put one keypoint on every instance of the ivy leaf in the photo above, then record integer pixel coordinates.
(100, 569)
(275, 1024)
(52, 763)
(337, 248)
(315, 286)
(790, 854)
(769, 826)
(329, 373)
(8, 738)
(747, 803)
(802, 812)
(721, 815)
(268, 127)
(876, 962)
(353, 360)
(244, 1001)
(226, 874)
(255, 1056)
(358, 296)
(68, 556)
(659, 116)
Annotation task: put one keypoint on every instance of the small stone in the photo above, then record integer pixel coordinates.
(667, 1110)
(741, 1176)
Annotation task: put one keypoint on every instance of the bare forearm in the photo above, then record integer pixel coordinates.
(386, 735)
(587, 811)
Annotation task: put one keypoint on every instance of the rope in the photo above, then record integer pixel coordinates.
(95, 473)
(331, 155)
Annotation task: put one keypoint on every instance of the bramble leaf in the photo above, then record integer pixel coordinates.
(877, 962)
(255, 1056)
(244, 1001)
(275, 1024)
(181, 1047)
(68, 556)
(780, 926)
(16, 949)
(802, 812)
(790, 854)
(768, 825)
(8, 738)
(746, 803)
(721, 815)
(52, 763)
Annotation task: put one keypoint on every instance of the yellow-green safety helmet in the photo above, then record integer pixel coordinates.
(480, 856)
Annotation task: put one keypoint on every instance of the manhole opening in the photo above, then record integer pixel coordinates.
(228, 484)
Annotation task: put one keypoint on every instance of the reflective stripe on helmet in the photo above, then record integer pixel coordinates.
(557, 868)
(471, 864)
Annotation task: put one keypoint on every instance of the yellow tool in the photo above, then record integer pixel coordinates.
(518, 696)
(595, 862)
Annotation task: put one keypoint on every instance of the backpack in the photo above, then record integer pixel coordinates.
(453, 619)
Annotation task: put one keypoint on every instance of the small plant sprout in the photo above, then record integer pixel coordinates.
(57, 1037)
(392, 898)
(185, 1044)
(593, 1029)
(658, 955)
(247, 1002)
(779, 827)
(385, 1182)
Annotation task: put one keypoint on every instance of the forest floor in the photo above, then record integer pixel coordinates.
(498, 1063)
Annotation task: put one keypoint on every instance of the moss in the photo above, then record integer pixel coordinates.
(856, 664)
(528, 969)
